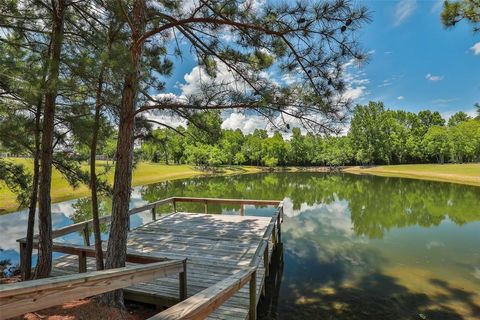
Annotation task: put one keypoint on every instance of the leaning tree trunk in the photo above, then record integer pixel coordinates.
(93, 175)
(117, 242)
(26, 262)
(44, 261)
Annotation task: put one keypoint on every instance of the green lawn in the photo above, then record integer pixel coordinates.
(144, 173)
(468, 173)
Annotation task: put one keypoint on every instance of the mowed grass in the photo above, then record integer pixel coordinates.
(144, 173)
(467, 173)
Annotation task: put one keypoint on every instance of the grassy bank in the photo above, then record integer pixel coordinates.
(147, 173)
(468, 173)
(144, 173)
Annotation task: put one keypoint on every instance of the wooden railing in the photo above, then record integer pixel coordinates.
(200, 305)
(85, 225)
(205, 302)
(28, 296)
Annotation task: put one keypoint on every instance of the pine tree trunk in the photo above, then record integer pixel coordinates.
(117, 242)
(44, 261)
(93, 176)
(27, 257)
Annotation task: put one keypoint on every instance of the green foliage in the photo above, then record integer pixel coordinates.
(465, 141)
(456, 11)
(436, 143)
(205, 127)
(368, 134)
(17, 179)
(457, 118)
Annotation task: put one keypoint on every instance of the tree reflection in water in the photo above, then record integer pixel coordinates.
(363, 247)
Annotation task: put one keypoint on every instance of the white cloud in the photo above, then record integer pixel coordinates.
(355, 80)
(385, 83)
(431, 77)
(476, 49)
(400, 97)
(403, 10)
(354, 93)
(247, 124)
(224, 77)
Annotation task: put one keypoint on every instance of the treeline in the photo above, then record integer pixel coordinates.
(376, 136)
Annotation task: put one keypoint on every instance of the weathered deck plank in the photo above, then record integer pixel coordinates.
(215, 246)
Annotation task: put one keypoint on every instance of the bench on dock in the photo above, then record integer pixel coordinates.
(220, 254)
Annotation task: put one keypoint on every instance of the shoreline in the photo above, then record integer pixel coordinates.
(412, 172)
(150, 173)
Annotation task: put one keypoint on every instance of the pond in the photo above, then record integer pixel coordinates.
(354, 247)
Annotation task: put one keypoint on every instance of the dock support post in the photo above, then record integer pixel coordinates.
(279, 229)
(252, 315)
(86, 236)
(82, 262)
(274, 237)
(154, 214)
(23, 248)
(174, 203)
(206, 207)
(266, 263)
(242, 210)
(183, 281)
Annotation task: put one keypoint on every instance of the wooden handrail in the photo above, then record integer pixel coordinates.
(28, 296)
(227, 201)
(74, 249)
(81, 226)
(200, 305)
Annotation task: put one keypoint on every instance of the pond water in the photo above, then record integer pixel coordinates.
(354, 247)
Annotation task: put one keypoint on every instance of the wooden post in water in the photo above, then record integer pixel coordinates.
(266, 264)
(154, 214)
(23, 248)
(206, 207)
(174, 206)
(274, 237)
(252, 315)
(82, 262)
(279, 229)
(242, 210)
(183, 281)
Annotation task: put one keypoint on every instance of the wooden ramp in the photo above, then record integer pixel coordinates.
(215, 246)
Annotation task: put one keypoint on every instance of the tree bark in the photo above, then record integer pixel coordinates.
(117, 242)
(93, 175)
(44, 261)
(27, 257)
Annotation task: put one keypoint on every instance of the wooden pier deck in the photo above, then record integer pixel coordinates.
(215, 246)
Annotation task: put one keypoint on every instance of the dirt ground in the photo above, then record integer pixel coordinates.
(87, 309)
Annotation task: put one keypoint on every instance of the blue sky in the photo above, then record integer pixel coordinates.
(414, 64)
(409, 43)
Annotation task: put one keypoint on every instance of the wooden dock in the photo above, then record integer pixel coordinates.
(216, 247)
